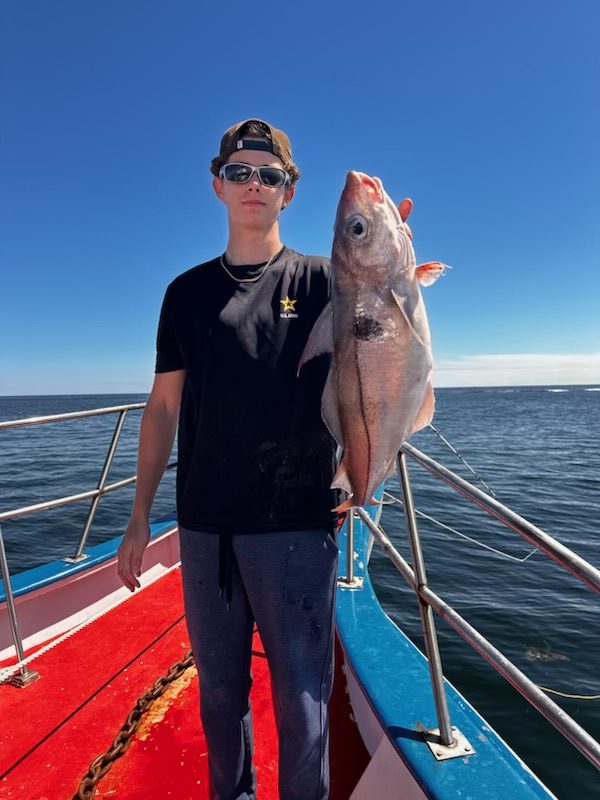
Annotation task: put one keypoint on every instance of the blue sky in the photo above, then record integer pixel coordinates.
(486, 114)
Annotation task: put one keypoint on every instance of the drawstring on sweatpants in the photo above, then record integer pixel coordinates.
(226, 567)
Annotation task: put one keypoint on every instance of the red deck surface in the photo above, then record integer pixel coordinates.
(52, 730)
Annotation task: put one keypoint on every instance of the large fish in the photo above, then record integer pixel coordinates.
(378, 390)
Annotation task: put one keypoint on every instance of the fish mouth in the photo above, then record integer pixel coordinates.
(360, 185)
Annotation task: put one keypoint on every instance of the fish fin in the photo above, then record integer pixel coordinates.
(329, 411)
(405, 207)
(345, 506)
(400, 303)
(425, 414)
(320, 339)
(429, 272)
(348, 504)
(391, 470)
(341, 479)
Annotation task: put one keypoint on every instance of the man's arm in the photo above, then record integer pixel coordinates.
(157, 433)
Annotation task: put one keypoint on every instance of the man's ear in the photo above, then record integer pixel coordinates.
(218, 187)
(287, 197)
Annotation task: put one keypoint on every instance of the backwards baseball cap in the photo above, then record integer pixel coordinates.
(234, 141)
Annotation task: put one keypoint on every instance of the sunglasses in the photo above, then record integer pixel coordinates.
(241, 173)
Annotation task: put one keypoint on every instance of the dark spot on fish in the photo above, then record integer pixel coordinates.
(366, 328)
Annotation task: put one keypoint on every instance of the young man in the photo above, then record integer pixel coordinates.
(255, 463)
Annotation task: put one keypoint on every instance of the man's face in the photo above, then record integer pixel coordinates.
(252, 203)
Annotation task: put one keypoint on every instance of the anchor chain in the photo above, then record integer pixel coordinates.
(102, 763)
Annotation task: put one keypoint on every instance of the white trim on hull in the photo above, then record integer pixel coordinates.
(386, 777)
(81, 597)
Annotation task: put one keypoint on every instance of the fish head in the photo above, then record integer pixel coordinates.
(370, 237)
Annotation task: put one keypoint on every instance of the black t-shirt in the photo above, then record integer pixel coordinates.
(254, 453)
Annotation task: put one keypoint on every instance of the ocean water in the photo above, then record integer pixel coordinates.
(538, 448)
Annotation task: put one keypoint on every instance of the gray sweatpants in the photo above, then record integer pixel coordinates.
(284, 581)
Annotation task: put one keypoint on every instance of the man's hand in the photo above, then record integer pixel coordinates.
(405, 207)
(157, 432)
(131, 551)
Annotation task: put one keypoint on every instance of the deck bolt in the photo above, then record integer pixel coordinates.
(439, 753)
(467, 748)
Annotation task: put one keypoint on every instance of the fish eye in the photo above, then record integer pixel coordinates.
(357, 226)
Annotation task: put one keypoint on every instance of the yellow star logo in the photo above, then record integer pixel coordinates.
(288, 305)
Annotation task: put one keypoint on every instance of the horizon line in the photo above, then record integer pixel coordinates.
(482, 386)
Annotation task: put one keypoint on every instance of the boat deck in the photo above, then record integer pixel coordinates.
(89, 684)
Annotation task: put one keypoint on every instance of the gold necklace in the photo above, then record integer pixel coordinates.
(256, 277)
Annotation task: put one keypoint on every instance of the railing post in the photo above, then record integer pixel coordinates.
(350, 580)
(25, 675)
(101, 483)
(431, 644)
(350, 546)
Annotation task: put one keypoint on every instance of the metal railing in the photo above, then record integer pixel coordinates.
(445, 737)
(416, 578)
(26, 676)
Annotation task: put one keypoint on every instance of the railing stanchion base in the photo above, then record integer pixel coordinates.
(75, 559)
(355, 583)
(459, 748)
(24, 678)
